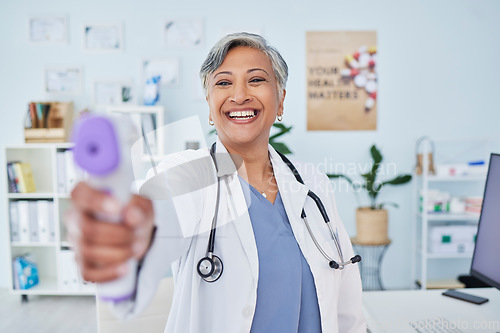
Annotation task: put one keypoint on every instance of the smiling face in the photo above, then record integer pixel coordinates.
(243, 98)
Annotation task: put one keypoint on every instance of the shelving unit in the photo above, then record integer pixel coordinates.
(43, 160)
(440, 270)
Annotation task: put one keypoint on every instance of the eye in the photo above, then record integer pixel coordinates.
(222, 83)
(257, 80)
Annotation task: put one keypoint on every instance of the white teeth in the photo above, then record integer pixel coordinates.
(242, 114)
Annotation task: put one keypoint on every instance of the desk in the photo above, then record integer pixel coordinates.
(392, 311)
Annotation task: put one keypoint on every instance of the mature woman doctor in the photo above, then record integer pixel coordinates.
(274, 275)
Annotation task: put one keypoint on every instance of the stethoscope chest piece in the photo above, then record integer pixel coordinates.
(210, 269)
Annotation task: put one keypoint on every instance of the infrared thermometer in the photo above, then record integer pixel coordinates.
(103, 150)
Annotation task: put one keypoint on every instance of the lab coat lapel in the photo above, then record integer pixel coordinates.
(236, 210)
(293, 194)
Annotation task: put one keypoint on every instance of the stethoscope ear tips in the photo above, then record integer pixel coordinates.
(333, 265)
(356, 258)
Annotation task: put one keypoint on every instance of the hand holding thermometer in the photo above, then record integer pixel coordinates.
(102, 149)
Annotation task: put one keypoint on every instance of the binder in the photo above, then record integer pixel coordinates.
(70, 170)
(33, 221)
(51, 221)
(14, 221)
(43, 221)
(12, 178)
(33, 115)
(24, 221)
(24, 176)
(20, 180)
(27, 176)
(69, 277)
(61, 172)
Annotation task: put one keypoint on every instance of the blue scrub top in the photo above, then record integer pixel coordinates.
(286, 294)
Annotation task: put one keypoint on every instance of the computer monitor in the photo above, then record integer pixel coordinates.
(485, 262)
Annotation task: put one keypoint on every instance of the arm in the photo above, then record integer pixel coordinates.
(150, 230)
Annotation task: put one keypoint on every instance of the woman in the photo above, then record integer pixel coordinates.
(274, 277)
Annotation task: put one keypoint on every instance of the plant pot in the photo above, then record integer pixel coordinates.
(371, 226)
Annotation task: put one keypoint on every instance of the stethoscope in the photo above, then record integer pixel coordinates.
(210, 267)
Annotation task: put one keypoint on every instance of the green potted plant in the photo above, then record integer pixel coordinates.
(372, 220)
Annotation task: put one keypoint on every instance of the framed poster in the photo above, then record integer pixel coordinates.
(183, 33)
(342, 80)
(63, 80)
(148, 120)
(102, 37)
(167, 69)
(48, 29)
(113, 92)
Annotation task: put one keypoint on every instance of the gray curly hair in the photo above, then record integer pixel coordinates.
(219, 52)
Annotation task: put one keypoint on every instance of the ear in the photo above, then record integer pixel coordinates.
(281, 103)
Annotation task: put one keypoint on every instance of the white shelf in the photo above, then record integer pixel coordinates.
(48, 286)
(443, 284)
(60, 145)
(29, 244)
(450, 217)
(467, 255)
(52, 259)
(36, 195)
(66, 244)
(470, 178)
(454, 151)
(432, 255)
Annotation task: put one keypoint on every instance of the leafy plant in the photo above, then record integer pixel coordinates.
(279, 146)
(370, 181)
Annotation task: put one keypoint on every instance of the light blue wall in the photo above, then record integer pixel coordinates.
(439, 75)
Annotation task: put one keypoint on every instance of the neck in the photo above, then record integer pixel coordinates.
(252, 162)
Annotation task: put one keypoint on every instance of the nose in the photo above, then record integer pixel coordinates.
(240, 93)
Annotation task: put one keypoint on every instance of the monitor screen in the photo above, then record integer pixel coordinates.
(485, 262)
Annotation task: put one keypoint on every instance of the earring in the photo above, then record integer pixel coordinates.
(210, 122)
(280, 117)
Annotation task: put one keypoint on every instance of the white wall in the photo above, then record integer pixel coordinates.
(438, 66)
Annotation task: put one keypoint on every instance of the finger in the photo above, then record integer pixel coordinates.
(104, 255)
(88, 199)
(93, 273)
(98, 232)
(138, 211)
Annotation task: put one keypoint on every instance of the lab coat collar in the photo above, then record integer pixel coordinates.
(292, 192)
(225, 165)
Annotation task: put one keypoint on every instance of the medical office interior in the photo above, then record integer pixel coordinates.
(435, 83)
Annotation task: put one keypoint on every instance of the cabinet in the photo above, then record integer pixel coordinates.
(433, 268)
(56, 268)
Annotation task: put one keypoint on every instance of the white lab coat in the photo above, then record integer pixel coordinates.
(183, 223)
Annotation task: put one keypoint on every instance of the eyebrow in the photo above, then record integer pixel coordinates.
(248, 71)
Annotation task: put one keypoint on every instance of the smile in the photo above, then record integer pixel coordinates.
(242, 114)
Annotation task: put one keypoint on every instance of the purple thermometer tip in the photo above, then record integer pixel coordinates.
(96, 145)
